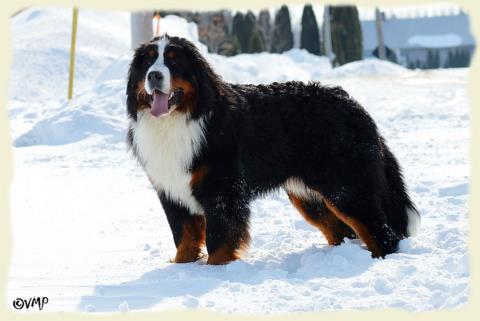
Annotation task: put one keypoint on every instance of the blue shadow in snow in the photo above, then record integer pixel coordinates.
(195, 279)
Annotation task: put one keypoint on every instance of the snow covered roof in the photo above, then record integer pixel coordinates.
(428, 32)
(436, 41)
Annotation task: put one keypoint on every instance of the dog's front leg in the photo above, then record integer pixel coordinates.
(227, 233)
(188, 230)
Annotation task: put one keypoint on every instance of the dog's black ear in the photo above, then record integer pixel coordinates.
(133, 78)
(132, 106)
(131, 95)
(206, 87)
(206, 80)
(129, 83)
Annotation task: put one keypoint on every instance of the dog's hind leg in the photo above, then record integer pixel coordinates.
(319, 215)
(369, 225)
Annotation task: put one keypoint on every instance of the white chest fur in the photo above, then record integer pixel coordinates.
(167, 147)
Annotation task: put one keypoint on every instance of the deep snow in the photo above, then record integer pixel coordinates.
(89, 233)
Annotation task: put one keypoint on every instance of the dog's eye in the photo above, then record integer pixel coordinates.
(171, 57)
(151, 53)
(171, 54)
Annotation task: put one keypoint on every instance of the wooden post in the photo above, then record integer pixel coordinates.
(327, 33)
(72, 52)
(157, 24)
(381, 43)
(141, 27)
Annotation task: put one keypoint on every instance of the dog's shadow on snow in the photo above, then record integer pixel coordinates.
(187, 281)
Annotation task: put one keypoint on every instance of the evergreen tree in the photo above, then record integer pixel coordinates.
(239, 32)
(250, 26)
(230, 47)
(310, 36)
(257, 43)
(282, 36)
(247, 33)
(346, 34)
(264, 25)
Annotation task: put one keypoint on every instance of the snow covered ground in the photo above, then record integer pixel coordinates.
(90, 234)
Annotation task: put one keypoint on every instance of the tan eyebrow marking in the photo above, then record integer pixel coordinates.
(151, 53)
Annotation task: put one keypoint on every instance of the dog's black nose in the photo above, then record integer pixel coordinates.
(155, 78)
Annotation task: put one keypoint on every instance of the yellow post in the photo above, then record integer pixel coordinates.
(72, 52)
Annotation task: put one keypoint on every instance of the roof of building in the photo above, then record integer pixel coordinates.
(427, 32)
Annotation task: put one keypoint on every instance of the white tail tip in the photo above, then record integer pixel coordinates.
(413, 222)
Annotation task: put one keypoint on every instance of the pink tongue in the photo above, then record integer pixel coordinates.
(160, 104)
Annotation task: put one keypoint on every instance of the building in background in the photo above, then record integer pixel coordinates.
(424, 42)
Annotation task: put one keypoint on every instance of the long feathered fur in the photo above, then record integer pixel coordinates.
(315, 141)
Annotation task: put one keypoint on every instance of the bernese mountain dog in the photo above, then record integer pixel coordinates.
(210, 147)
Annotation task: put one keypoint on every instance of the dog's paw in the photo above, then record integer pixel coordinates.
(187, 257)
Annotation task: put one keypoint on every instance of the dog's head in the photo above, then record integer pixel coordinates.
(169, 75)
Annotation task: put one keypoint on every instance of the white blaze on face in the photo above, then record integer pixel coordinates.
(160, 106)
(159, 66)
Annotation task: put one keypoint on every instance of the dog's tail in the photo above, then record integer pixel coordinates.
(402, 215)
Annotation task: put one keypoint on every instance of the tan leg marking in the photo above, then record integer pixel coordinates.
(192, 241)
(327, 224)
(226, 253)
(359, 228)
